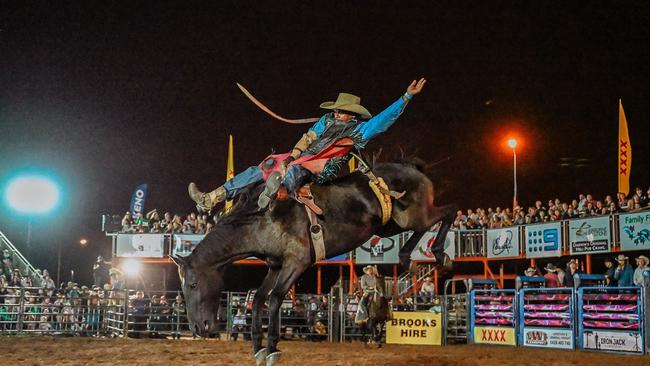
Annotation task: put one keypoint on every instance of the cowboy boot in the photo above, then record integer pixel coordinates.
(206, 201)
(273, 183)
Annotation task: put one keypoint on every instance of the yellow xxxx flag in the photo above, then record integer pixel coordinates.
(230, 168)
(624, 152)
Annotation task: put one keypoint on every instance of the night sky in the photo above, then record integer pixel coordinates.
(107, 95)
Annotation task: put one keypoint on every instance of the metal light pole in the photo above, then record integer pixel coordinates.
(512, 143)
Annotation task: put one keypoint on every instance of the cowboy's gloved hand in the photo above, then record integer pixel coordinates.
(416, 87)
(287, 161)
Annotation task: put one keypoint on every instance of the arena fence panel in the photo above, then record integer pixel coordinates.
(547, 317)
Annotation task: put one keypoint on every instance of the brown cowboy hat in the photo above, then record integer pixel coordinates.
(621, 257)
(349, 103)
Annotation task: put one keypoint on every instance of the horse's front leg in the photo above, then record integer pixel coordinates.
(287, 276)
(256, 326)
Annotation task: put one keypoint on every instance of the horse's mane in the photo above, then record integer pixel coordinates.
(245, 210)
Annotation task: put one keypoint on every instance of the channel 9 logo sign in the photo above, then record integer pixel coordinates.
(543, 240)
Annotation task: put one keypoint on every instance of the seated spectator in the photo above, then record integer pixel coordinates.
(427, 290)
(641, 266)
(624, 273)
(155, 228)
(127, 223)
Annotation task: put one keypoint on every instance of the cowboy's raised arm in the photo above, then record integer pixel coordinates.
(381, 122)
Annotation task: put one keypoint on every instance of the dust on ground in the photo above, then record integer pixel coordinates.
(92, 351)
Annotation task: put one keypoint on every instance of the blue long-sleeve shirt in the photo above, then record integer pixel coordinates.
(624, 276)
(372, 127)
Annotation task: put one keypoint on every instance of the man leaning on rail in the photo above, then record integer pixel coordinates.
(305, 162)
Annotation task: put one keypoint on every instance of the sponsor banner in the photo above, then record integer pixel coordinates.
(414, 327)
(589, 235)
(422, 251)
(379, 250)
(548, 338)
(613, 341)
(495, 335)
(140, 245)
(137, 199)
(184, 244)
(634, 231)
(543, 240)
(503, 243)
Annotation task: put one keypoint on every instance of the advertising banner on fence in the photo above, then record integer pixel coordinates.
(543, 240)
(548, 338)
(422, 251)
(495, 335)
(379, 250)
(140, 245)
(338, 258)
(419, 327)
(502, 243)
(589, 235)
(184, 244)
(613, 341)
(634, 231)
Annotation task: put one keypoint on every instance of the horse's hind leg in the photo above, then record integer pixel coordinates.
(445, 215)
(259, 299)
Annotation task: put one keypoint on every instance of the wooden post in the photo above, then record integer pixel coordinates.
(318, 276)
(435, 281)
(501, 279)
(351, 288)
(588, 262)
(395, 289)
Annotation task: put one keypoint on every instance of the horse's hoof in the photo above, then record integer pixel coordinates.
(260, 356)
(273, 358)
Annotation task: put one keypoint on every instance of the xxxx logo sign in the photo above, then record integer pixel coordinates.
(491, 335)
(494, 335)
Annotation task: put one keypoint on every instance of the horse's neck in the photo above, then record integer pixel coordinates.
(218, 249)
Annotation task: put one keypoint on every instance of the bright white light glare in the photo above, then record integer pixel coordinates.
(32, 194)
(131, 267)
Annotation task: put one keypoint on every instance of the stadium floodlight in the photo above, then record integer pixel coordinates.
(512, 143)
(131, 267)
(32, 194)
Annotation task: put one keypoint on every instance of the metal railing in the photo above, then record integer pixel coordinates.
(19, 261)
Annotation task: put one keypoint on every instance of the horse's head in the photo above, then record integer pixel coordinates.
(202, 291)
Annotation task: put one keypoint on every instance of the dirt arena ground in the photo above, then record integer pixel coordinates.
(80, 351)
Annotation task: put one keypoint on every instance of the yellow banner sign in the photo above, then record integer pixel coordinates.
(419, 327)
(495, 335)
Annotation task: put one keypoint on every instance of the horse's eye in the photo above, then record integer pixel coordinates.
(193, 286)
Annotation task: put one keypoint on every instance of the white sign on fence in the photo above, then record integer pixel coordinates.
(548, 338)
(502, 243)
(613, 341)
(589, 235)
(422, 251)
(140, 245)
(634, 231)
(543, 240)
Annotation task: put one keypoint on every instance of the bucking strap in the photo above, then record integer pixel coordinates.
(379, 187)
(315, 230)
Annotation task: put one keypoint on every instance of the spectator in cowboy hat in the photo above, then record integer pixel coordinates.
(552, 280)
(609, 275)
(571, 271)
(641, 266)
(624, 273)
(530, 272)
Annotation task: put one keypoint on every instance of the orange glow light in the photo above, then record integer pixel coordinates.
(83, 242)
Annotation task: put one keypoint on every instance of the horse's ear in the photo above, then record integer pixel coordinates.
(179, 261)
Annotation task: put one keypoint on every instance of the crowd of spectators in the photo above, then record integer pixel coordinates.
(554, 210)
(618, 273)
(168, 224)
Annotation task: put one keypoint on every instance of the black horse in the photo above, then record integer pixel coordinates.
(351, 215)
